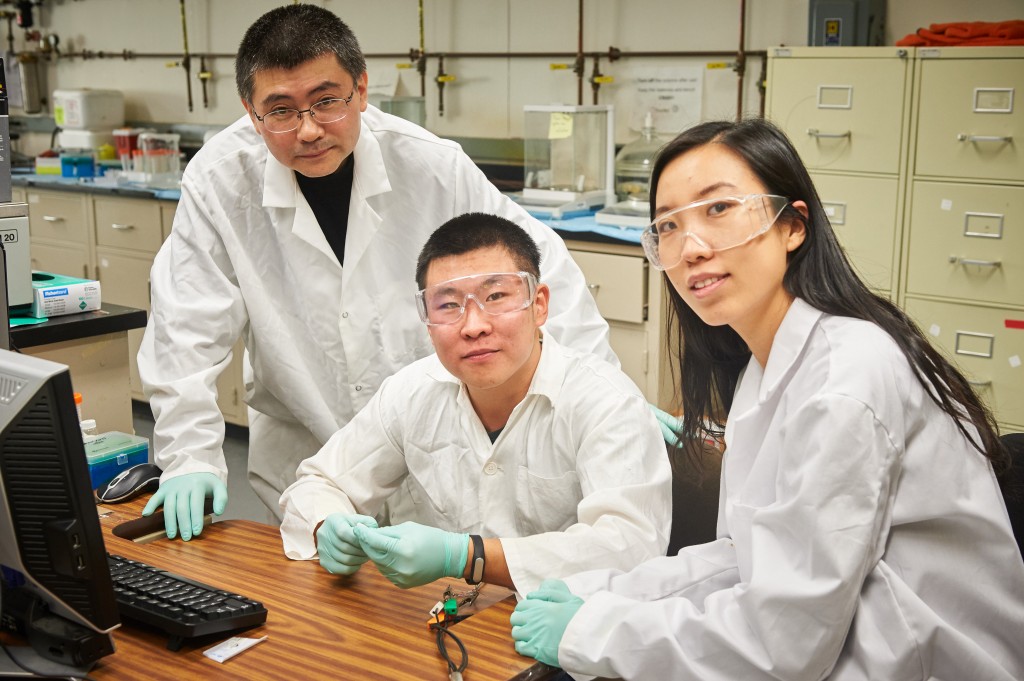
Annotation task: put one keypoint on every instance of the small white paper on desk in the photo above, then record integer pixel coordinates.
(224, 651)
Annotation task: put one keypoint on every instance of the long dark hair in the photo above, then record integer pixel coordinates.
(818, 271)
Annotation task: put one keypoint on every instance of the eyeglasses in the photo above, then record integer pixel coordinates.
(323, 112)
(495, 293)
(714, 224)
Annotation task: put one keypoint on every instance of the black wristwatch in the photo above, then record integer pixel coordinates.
(476, 570)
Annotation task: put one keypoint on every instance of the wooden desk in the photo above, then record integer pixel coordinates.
(319, 626)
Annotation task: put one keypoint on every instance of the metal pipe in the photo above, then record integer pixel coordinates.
(440, 85)
(186, 62)
(741, 60)
(421, 63)
(579, 57)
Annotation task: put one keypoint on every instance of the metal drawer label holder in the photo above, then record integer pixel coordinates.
(836, 211)
(975, 344)
(984, 225)
(835, 96)
(993, 100)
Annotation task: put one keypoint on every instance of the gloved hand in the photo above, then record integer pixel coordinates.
(539, 621)
(340, 552)
(670, 425)
(411, 554)
(183, 498)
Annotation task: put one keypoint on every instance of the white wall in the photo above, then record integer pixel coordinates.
(487, 98)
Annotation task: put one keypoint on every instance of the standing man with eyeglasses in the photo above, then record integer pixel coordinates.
(298, 230)
(505, 457)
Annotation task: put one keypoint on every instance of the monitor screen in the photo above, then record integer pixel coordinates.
(56, 581)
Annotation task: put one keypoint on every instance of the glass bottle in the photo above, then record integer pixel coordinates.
(633, 164)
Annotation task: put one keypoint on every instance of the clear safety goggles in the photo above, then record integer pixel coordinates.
(495, 293)
(715, 224)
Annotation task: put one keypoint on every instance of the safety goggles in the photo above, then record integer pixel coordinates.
(495, 293)
(715, 224)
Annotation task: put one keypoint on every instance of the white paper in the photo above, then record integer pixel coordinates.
(673, 95)
(224, 651)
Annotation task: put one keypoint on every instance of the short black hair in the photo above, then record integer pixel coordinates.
(288, 36)
(473, 231)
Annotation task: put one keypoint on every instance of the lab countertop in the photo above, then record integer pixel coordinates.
(92, 185)
(108, 319)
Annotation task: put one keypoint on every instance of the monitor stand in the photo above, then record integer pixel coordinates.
(21, 661)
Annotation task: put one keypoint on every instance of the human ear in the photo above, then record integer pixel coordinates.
(540, 304)
(797, 228)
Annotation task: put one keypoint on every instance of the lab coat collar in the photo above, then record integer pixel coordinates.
(369, 181)
(788, 345)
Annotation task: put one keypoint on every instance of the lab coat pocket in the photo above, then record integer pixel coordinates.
(428, 488)
(546, 504)
(739, 519)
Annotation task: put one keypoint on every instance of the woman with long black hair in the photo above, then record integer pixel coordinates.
(861, 533)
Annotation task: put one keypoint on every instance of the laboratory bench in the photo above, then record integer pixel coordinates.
(94, 345)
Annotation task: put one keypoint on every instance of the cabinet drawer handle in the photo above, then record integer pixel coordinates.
(121, 228)
(964, 137)
(814, 132)
(979, 384)
(53, 218)
(957, 260)
(594, 288)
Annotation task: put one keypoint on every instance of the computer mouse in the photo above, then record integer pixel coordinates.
(130, 483)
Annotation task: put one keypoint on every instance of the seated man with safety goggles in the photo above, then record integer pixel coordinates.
(503, 458)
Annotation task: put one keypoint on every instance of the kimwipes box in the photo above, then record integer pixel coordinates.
(54, 295)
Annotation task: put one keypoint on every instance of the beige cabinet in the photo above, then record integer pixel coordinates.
(630, 295)
(965, 214)
(936, 218)
(846, 110)
(60, 228)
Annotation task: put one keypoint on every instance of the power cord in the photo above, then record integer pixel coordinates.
(446, 612)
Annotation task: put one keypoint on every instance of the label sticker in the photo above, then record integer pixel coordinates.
(1015, 361)
(934, 330)
(1014, 323)
(560, 126)
(946, 204)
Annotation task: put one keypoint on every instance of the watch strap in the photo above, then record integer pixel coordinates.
(478, 561)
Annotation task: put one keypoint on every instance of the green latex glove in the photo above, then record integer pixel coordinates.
(670, 425)
(339, 550)
(411, 554)
(183, 498)
(539, 621)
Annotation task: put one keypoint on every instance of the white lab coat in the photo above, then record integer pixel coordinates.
(577, 479)
(247, 258)
(860, 538)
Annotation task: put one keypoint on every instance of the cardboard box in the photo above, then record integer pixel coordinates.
(110, 453)
(54, 295)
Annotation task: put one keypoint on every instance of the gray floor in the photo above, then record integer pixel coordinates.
(242, 502)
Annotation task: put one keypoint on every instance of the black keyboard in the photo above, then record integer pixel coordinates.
(182, 607)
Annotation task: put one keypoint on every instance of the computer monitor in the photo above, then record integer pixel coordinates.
(56, 586)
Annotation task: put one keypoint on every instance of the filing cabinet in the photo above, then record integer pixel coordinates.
(965, 214)
(916, 155)
(847, 110)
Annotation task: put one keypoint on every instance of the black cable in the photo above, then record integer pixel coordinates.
(443, 631)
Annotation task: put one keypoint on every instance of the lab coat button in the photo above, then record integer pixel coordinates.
(491, 468)
(344, 315)
(358, 388)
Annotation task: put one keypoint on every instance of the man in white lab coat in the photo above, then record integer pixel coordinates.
(298, 230)
(502, 458)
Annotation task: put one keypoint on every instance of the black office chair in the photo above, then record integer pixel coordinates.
(695, 486)
(1013, 490)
